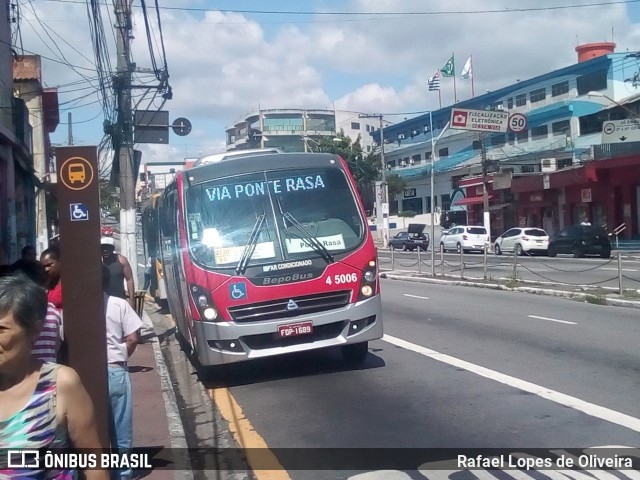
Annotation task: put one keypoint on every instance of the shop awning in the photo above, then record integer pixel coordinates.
(471, 200)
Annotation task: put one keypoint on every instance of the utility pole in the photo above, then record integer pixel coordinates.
(383, 213)
(122, 86)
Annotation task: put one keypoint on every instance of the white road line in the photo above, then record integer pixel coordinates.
(415, 296)
(552, 319)
(623, 269)
(597, 411)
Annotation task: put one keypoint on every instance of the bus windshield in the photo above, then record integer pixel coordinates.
(272, 216)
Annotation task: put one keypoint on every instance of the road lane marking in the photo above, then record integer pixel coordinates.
(552, 319)
(247, 437)
(415, 296)
(622, 269)
(591, 409)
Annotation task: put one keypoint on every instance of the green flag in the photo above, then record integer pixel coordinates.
(449, 69)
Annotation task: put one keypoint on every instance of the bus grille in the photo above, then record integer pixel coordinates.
(276, 309)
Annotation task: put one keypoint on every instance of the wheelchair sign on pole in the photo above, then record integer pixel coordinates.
(78, 212)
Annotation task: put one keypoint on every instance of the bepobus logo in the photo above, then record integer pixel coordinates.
(296, 277)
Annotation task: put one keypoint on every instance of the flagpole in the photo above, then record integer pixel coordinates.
(440, 97)
(455, 93)
(473, 93)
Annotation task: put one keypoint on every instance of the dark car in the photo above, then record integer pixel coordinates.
(581, 240)
(411, 239)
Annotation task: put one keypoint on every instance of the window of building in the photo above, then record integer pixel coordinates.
(499, 105)
(415, 159)
(561, 128)
(497, 140)
(455, 181)
(521, 100)
(427, 155)
(592, 81)
(538, 133)
(445, 201)
(522, 137)
(511, 138)
(476, 145)
(510, 103)
(355, 126)
(559, 89)
(528, 168)
(537, 95)
(590, 124)
(564, 162)
(443, 152)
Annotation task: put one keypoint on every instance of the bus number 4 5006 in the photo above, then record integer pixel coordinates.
(342, 278)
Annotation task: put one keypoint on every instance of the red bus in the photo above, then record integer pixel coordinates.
(266, 254)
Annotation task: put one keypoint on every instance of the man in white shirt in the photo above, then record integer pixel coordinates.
(122, 325)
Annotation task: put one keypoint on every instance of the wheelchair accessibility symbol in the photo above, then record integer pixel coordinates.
(238, 291)
(79, 212)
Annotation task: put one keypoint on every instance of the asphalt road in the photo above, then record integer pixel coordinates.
(458, 368)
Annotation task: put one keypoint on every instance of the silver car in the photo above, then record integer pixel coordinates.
(464, 238)
(522, 240)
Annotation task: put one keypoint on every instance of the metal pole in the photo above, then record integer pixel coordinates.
(486, 218)
(125, 125)
(433, 166)
(433, 227)
(620, 289)
(385, 190)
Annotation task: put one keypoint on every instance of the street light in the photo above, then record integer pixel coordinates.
(595, 93)
(433, 161)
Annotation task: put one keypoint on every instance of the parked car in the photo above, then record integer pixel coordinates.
(581, 240)
(464, 238)
(106, 230)
(522, 240)
(411, 239)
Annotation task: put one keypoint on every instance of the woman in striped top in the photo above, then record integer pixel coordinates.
(42, 405)
(48, 342)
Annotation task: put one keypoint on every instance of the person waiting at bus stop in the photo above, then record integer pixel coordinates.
(122, 325)
(119, 272)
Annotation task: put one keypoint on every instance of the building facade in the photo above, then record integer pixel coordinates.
(553, 173)
(299, 130)
(27, 114)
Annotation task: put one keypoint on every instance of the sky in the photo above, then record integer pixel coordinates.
(228, 58)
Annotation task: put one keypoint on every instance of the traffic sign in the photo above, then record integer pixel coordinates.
(517, 122)
(181, 126)
(480, 120)
(621, 131)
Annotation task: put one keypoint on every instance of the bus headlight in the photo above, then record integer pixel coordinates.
(369, 283)
(202, 300)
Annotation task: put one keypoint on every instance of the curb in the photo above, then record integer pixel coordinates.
(495, 286)
(177, 436)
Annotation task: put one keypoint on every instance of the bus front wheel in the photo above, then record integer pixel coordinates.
(356, 352)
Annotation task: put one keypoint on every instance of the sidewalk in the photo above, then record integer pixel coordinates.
(156, 420)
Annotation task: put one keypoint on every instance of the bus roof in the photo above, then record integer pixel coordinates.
(218, 157)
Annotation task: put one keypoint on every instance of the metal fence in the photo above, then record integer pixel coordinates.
(614, 274)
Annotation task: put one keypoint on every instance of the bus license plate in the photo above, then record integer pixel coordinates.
(293, 329)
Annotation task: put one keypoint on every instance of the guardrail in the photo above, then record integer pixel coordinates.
(553, 276)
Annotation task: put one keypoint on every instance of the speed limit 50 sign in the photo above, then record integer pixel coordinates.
(517, 122)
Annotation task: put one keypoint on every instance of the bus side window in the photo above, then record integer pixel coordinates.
(167, 221)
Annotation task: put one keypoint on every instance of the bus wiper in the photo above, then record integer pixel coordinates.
(310, 239)
(250, 247)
